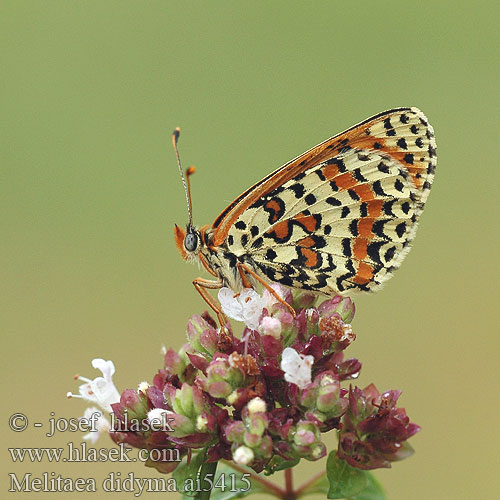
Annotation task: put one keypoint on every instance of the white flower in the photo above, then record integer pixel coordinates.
(297, 367)
(243, 455)
(102, 424)
(101, 390)
(201, 423)
(143, 387)
(246, 306)
(159, 418)
(271, 326)
(256, 405)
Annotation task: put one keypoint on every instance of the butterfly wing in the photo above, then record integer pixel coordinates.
(343, 214)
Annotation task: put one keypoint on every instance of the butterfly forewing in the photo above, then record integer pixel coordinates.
(342, 215)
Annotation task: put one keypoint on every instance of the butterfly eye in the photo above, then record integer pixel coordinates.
(191, 242)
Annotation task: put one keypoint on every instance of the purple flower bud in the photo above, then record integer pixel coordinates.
(256, 423)
(303, 299)
(307, 441)
(202, 336)
(134, 404)
(234, 431)
(251, 440)
(342, 306)
(173, 362)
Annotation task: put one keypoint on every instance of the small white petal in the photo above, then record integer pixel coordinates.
(143, 387)
(230, 304)
(271, 326)
(107, 367)
(102, 425)
(297, 367)
(246, 306)
(252, 304)
(243, 455)
(256, 405)
(101, 390)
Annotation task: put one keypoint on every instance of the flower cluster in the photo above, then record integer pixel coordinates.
(265, 399)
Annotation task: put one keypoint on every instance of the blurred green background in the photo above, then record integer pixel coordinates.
(91, 92)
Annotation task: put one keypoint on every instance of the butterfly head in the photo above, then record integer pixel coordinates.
(188, 242)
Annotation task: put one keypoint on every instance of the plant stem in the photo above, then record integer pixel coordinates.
(308, 483)
(206, 469)
(269, 485)
(289, 493)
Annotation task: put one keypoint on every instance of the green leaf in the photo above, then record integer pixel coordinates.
(229, 484)
(185, 472)
(345, 481)
(373, 490)
(277, 463)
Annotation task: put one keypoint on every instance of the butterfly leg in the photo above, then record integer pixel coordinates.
(206, 265)
(202, 286)
(242, 268)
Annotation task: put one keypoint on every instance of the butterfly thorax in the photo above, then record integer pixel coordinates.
(219, 259)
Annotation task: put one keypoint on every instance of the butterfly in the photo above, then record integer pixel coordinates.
(336, 219)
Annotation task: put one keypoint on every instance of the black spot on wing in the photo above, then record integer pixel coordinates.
(373, 250)
(402, 143)
(298, 189)
(356, 173)
(389, 254)
(333, 201)
(363, 209)
(377, 189)
(353, 227)
(353, 194)
(258, 243)
(346, 247)
(320, 174)
(408, 158)
(399, 185)
(310, 199)
(271, 254)
(339, 162)
(400, 229)
(382, 167)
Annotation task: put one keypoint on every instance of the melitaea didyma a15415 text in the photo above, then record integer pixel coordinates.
(338, 218)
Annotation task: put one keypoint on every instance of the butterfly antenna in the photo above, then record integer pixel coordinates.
(175, 138)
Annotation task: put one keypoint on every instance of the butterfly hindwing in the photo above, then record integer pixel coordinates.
(345, 218)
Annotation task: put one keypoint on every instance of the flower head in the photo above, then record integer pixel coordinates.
(375, 431)
(261, 400)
